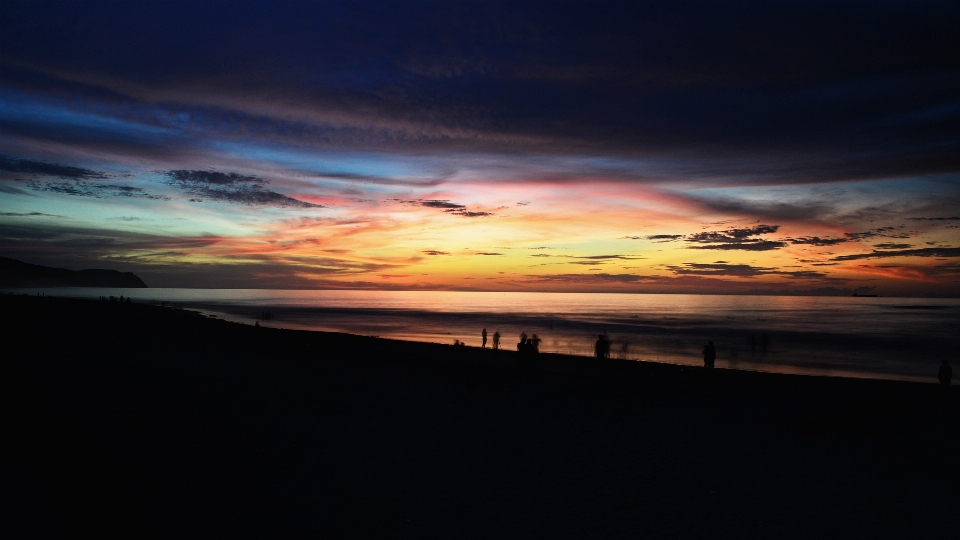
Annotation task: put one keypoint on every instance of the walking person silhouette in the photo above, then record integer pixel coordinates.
(484, 336)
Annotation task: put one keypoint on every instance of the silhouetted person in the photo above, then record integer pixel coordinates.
(709, 355)
(523, 337)
(496, 340)
(526, 348)
(602, 348)
(535, 342)
(484, 336)
(945, 373)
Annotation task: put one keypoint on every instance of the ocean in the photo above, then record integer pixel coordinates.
(887, 338)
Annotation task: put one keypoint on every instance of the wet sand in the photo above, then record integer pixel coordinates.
(133, 419)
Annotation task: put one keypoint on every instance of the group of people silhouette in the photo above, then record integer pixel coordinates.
(531, 345)
(496, 340)
(528, 345)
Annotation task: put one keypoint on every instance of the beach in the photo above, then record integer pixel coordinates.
(131, 418)
(874, 338)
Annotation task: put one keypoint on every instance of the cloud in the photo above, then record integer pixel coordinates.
(801, 274)
(487, 253)
(736, 239)
(47, 169)
(471, 214)
(816, 241)
(602, 257)
(442, 204)
(720, 268)
(435, 252)
(804, 210)
(659, 238)
(94, 190)
(884, 232)
(4, 188)
(478, 98)
(891, 245)
(732, 239)
(919, 252)
(954, 218)
(452, 208)
(591, 260)
(26, 214)
(231, 188)
(732, 235)
(831, 106)
(757, 245)
(950, 270)
(447, 206)
(601, 277)
(56, 245)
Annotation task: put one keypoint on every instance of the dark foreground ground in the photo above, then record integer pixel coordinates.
(137, 419)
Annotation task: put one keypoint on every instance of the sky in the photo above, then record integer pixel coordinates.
(657, 147)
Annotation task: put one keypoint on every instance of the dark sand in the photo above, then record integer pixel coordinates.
(140, 420)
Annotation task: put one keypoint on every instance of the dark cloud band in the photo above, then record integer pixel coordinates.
(41, 168)
(231, 188)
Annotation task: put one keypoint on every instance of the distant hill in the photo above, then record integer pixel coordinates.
(14, 273)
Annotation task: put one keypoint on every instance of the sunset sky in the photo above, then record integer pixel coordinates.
(558, 146)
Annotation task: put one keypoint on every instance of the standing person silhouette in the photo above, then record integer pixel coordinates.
(496, 340)
(484, 336)
(602, 348)
(945, 373)
(709, 355)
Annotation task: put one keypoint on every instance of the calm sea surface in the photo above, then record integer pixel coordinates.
(890, 338)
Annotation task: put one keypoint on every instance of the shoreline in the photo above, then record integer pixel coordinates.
(898, 343)
(192, 425)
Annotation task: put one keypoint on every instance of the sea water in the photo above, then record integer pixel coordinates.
(889, 338)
